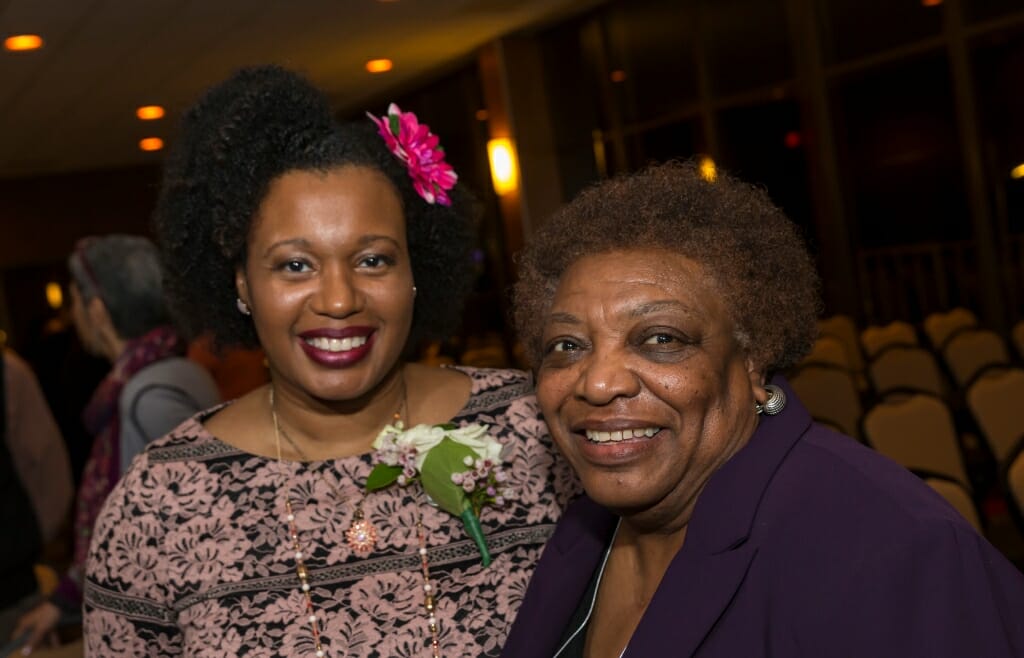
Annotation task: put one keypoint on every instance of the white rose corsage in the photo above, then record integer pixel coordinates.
(459, 468)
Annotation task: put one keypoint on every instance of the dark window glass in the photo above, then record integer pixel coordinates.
(857, 28)
(650, 62)
(998, 62)
(983, 10)
(899, 147)
(763, 145)
(746, 44)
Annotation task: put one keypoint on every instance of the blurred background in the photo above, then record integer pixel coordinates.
(890, 131)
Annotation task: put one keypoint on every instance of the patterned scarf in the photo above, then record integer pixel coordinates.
(101, 470)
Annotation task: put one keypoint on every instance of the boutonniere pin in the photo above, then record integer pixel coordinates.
(458, 467)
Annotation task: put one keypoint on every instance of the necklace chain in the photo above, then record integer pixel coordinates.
(361, 536)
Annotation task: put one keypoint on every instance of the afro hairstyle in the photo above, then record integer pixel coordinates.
(733, 230)
(241, 135)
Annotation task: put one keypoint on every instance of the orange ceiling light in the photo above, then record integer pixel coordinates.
(150, 112)
(931, 3)
(23, 42)
(1017, 172)
(379, 65)
(618, 75)
(151, 144)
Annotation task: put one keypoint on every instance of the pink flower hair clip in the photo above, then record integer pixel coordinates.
(419, 149)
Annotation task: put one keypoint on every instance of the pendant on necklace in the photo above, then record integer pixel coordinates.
(361, 535)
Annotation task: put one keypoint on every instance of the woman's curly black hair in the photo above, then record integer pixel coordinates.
(748, 247)
(245, 132)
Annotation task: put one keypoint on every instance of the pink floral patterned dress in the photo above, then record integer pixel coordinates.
(190, 555)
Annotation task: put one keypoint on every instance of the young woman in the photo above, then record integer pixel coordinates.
(250, 531)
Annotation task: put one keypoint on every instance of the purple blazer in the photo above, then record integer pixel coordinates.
(805, 543)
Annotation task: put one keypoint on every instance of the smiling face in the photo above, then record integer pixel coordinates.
(643, 383)
(329, 281)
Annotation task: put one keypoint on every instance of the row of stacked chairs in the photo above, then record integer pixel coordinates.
(945, 398)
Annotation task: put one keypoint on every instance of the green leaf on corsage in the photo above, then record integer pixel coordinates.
(436, 475)
(382, 476)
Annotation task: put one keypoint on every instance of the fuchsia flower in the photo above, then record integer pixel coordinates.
(419, 149)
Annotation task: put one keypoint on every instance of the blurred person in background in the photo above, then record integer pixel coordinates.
(35, 485)
(119, 312)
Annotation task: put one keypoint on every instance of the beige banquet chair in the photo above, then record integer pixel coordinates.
(939, 326)
(969, 352)
(830, 395)
(830, 351)
(919, 433)
(903, 368)
(1017, 336)
(843, 328)
(878, 337)
(996, 401)
(959, 497)
(1014, 482)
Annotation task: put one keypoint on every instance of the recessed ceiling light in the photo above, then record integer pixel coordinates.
(23, 42)
(931, 3)
(379, 65)
(151, 144)
(1017, 172)
(150, 112)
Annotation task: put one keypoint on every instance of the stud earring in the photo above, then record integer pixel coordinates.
(243, 308)
(414, 291)
(775, 403)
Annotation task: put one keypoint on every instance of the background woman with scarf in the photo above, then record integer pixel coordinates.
(119, 312)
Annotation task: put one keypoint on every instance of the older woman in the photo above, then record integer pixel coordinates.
(295, 520)
(719, 520)
(120, 313)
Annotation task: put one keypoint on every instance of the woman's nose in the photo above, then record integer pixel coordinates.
(606, 375)
(337, 294)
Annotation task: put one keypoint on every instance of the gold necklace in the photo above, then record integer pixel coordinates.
(360, 536)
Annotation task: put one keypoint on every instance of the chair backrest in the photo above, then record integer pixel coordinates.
(940, 326)
(876, 338)
(996, 401)
(1017, 336)
(969, 352)
(957, 496)
(845, 329)
(830, 395)
(904, 368)
(919, 433)
(1015, 482)
(830, 351)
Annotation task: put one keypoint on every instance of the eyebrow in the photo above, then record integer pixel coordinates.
(563, 318)
(657, 306)
(303, 243)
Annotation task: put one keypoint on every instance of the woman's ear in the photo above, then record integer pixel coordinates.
(757, 381)
(242, 287)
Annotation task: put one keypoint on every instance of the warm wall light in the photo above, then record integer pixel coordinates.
(618, 75)
(21, 42)
(151, 144)
(379, 65)
(150, 112)
(931, 3)
(708, 170)
(504, 170)
(1018, 171)
(54, 295)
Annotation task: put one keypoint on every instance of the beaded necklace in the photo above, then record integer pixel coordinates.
(360, 536)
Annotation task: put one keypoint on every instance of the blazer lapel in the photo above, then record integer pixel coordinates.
(693, 594)
(705, 575)
(565, 569)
